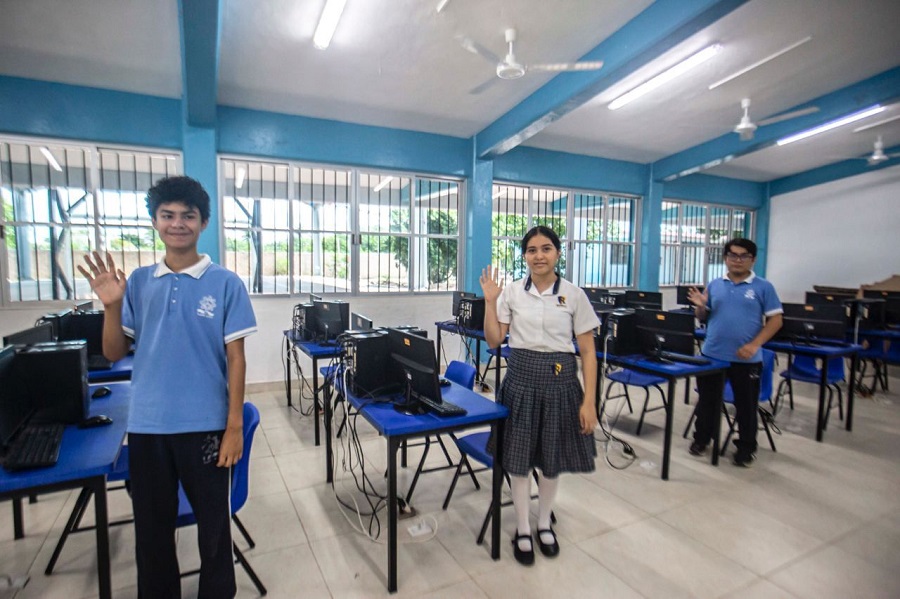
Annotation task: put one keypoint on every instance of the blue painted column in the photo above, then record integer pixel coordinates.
(651, 220)
(478, 221)
(199, 147)
(762, 234)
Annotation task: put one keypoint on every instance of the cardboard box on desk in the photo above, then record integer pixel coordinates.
(54, 376)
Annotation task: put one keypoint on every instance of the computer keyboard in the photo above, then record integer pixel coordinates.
(696, 360)
(445, 408)
(37, 446)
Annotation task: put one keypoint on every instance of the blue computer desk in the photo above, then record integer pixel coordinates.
(397, 427)
(671, 372)
(119, 371)
(316, 352)
(85, 458)
(823, 353)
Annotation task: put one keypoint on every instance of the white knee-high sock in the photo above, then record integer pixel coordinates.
(547, 488)
(521, 496)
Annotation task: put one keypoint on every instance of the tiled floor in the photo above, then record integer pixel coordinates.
(813, 520)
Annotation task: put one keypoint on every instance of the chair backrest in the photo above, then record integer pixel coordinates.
(807, 365)
(240, 474)
(461, 373)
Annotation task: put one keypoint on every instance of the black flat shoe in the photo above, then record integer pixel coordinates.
(526, 558)
(548, 549)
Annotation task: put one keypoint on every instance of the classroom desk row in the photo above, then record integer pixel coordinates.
(86, 457)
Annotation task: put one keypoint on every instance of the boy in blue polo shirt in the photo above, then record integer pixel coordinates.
(187, 318)
(742, 313)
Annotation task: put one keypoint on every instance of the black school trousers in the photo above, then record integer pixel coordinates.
(744, 378)
(157, 463)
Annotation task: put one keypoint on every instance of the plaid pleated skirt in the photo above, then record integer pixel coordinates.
(544, 396)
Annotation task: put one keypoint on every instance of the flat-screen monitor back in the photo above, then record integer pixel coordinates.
(669, 331)
(415, 357)
(39, 333)
(332, 318)
(811, 322)
(814, 297)
(891, 304)
(15, 405)
(87, 326)
(358, 322)
(650, 300)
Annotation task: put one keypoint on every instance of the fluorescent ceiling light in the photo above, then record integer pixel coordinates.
(49, 156)
(877, 124)
(679, 69)
(239, 178)
(759, 63)
(852, 118)
(383, 183)
(328, 22)
(442, 5)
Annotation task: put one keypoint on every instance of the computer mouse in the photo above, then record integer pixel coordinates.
(98, 420)
(444, 382)
(101, 392)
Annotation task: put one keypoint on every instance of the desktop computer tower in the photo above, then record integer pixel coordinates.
(300, 322)
(471, 313)
(368, 355)
(54, 375)
(622, 333)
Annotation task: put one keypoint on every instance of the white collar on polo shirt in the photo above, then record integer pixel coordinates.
(555, 284)
(196, 271)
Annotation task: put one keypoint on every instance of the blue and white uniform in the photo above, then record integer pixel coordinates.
(737, 312)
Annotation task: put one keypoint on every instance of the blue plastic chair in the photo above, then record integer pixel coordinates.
(880, 353)
(462, 374)
(240, 489)
(804, 369)
(765, 396)
(630, 378)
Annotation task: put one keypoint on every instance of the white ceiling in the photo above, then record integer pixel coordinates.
(395, 63)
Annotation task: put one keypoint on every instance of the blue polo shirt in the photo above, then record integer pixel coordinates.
(180, 323)
(736, 315)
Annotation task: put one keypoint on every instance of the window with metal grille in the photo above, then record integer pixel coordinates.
(62, 200)
(294, 228)
(692, 237)
(597, 232)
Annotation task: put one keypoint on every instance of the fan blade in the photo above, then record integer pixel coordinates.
(476, 48)
(788, 115)
(746, 134)
(487, 84)
(568, 66)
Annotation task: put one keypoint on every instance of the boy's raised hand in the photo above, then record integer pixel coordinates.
(106, 281)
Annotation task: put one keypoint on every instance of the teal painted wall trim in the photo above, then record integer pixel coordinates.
(200, 163)
(478, 243)
(30, 107)
(651, 221)
(717, 190)
(762, 237)
(660, 27)
(883, 88)
(560, 169)
(827, 174)
(201, 26)
(274, 135)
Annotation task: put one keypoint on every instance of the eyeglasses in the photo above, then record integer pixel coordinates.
(738, 257)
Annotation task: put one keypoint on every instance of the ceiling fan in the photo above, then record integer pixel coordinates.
(746, 127)
(510, 68)
(878, 156)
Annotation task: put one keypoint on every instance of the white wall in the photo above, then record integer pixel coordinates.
(264, 349)
(845, 233)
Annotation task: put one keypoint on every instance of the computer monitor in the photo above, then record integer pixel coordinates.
(891, 304)
(415, 356)
(664, 331)
(39, 333)
(87, 326)
(649, 300)
(358, 322)
(457, 297)
(315, 298)
(809, 323)
(15, 404)
(332, 319)
(596, 294)
(681, 294)
(865, 311)
(84, 306)
(58, 320)
(813, 297)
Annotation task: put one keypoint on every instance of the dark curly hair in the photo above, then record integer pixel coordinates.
(178, 189)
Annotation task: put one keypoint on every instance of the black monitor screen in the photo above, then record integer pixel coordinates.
(39, 333)
(681, 294)
(416, 358)
(891, 304)
(358, 322)
(87, 326)
(332, 319)
(650, 300)
(810, 322)
(669, 331)
(15, 407)
(457, 296)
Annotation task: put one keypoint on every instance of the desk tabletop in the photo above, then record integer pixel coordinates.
(880, 333)
(451, 326)
(676, 369)
(84, 452)
(828, 351)
(390, 422)
(313, 349)
(119, 371)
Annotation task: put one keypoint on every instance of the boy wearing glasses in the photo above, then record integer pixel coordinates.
(742, 312)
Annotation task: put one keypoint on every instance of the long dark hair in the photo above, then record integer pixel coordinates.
(546, 232)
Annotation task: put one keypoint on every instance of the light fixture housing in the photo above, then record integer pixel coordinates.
(668, 75)
(846, 120)
(328, 22)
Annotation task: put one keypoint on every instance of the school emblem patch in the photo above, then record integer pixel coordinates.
(207, 307)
